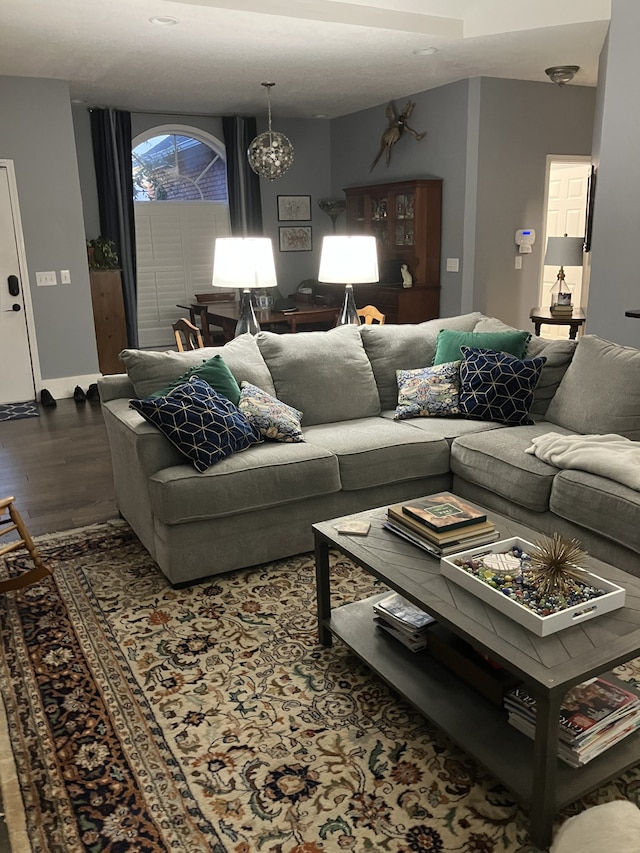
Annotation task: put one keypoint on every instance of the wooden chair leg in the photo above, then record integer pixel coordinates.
(15, 522)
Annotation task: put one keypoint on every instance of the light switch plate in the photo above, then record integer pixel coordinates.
(453, 264)
(65, 277)
(46, 279)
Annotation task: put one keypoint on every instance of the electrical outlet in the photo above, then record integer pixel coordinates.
(65, 277)
(518, 262)
(46, 279)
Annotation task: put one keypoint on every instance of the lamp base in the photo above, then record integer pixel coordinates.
(348, 315)
(247, 320)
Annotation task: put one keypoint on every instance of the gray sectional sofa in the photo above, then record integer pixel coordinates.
(258, 505)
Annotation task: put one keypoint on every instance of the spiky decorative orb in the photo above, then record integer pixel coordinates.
(555, 562)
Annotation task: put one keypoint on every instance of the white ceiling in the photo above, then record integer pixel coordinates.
(327, 57)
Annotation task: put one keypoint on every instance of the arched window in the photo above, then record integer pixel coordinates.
(176, 166)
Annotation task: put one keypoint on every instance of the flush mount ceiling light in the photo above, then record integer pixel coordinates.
(271, 153)
(163, 20)
(425, 51)
(561, 74)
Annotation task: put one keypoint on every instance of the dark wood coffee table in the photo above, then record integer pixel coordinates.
(548, 665)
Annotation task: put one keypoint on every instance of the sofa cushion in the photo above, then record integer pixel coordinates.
(598, 504)
(326, 375)
(497, 461)
(557, 352)
(378, 451)
(274, 419)
(266, 475)
(498, 387)
(202, 424)
(150, 371)
(450, 341)
(406, 347)
(600, 392)
(214, 372)
(429, 391)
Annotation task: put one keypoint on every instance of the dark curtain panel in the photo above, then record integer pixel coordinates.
(245, 210)
(111, 136)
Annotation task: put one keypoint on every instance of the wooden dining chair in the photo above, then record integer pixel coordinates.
(369, 314)
(188, 336)
(10, 521)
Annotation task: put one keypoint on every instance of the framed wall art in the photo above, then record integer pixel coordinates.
(294, 208)
(295, 238)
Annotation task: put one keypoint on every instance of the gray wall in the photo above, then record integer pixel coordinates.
(36, 132)
(520, 123)
(442, 113)
(614, 263)
(309, 175)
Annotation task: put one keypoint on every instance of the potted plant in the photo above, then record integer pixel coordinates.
(102, 254)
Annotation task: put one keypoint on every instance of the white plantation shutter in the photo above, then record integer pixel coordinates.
(174, 243)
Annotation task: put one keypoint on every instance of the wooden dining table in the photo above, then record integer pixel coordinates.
(226, 315)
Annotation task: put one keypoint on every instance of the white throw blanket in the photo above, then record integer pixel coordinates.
(610, 456)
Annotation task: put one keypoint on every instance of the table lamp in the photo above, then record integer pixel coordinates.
(348, 261)
(246, 263)
(565, 252)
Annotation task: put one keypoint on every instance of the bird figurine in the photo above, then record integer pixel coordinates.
(407, 278)
(397, 126)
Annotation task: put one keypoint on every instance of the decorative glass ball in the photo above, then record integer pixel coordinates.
(270, 155)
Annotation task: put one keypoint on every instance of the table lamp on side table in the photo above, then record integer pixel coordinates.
(349, 261)
(246, 263)
(563, 252)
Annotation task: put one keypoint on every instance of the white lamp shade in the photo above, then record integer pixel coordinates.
(244, 262)
(349, 260)
(564, 251)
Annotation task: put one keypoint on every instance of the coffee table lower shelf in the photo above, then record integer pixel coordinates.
(471, 721)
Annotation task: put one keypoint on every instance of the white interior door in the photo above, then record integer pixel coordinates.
(566, 206)
(17, 383)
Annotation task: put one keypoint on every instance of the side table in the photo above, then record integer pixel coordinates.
(540, 316)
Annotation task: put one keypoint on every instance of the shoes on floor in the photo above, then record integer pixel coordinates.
(93, 395)
(78, 395)
(47, 399)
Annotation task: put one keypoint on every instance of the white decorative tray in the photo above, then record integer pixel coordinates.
(541, 625)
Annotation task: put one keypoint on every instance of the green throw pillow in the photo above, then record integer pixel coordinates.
(449, 342)
(215, 372)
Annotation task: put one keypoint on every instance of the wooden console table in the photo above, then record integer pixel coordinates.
(540, 316)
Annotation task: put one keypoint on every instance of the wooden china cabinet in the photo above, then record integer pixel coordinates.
(405, 217)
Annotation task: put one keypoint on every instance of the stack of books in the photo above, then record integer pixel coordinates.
(403, 620)
(441, 524)
(562, 310)
(595, 715)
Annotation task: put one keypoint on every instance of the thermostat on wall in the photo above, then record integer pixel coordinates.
(525, 238)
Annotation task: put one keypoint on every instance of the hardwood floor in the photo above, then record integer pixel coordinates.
(58, 467)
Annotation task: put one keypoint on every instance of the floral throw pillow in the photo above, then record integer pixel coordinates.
(498, 387)
(273, 418)
(204, 425)
(428, 391)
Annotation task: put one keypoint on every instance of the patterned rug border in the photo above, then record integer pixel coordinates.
(447, 780)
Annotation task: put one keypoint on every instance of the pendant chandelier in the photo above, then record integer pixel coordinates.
(270, 154)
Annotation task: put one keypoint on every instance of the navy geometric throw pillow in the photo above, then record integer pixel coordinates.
(498, 387)
(202, 424)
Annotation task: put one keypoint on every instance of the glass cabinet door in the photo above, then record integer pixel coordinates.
(404, 219)
(380, 214)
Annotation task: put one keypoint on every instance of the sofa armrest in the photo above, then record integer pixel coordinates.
(136, 445)
(114, 386)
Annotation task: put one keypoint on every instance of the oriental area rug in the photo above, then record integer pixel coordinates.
(145, 719)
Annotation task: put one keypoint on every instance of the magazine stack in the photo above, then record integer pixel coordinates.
(594, 716)
(441, 524)
(403, 620)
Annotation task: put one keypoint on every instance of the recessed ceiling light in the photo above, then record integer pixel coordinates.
(164, 21)
(425, 51)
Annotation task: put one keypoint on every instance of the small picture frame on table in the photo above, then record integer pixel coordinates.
(295, 238)
(294, 208)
